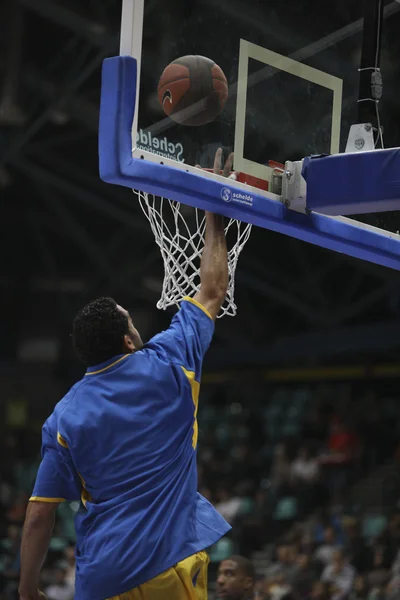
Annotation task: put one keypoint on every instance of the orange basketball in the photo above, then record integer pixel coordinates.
(193, 90)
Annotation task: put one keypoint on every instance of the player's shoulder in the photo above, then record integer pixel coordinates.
(64, 408)
(73, 393)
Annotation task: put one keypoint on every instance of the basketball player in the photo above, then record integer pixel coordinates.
(123, 440)
(236, 579)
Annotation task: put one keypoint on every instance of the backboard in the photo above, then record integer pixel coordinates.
(283, 79)
(293, 76)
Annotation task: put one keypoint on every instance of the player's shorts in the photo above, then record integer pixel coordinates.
(187, 580)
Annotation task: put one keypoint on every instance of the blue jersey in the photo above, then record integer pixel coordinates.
(123, 441)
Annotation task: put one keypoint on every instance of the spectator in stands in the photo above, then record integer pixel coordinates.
(379, 577)
(342, 441)
(278, 588)
(60, 589)
(260, 592)
(355, 546)
(236, 579)
(286, 565)
(325, 519)
(69, 555)
(324, 554)
(305, 478)
(391, 538)
(306, 543)
(252, 529)
(227, 505)
(396, 564)
(320, 591)
(305, 576)
(360, 589)
(305, 468)
(340, 575)
(393, 588)
(343, 452)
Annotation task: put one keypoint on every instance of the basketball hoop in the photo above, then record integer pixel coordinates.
(179, 233)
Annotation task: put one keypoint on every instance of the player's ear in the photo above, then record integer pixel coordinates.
(129, 346)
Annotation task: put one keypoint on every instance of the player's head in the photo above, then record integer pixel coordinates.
(103, 329)
(236, 578)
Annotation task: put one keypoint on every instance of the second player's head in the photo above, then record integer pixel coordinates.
(103, 329)
(236, 577)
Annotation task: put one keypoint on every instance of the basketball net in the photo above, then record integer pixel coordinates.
(179, 233)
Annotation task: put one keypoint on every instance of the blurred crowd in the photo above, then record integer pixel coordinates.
(276, 462)
(335, 562)
(269, 467)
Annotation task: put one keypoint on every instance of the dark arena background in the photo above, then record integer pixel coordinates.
(299, 416)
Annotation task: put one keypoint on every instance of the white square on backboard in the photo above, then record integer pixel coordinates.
(293, 67)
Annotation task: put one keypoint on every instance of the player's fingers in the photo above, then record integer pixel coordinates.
(198, 167)
(228, 165)
(218, 161)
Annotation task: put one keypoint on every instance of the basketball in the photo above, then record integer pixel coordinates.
(193, 90)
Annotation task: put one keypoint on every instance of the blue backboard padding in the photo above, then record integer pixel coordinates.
(118, 99)
(361, 182)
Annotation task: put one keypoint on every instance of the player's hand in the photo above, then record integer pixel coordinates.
(37, 595)
(226, 171)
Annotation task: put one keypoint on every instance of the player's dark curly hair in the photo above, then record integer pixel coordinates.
(98, 331)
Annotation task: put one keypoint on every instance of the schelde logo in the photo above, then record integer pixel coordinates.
(226, 194)
(229, 195)
(145, 140)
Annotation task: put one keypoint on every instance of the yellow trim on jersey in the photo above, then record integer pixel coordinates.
(41, 499)
(195, 387)
(61, 440)
(85, 495)
(200, 306)
(108, 367)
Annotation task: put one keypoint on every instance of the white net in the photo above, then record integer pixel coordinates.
(179, 232)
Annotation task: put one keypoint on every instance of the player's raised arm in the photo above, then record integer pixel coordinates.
(214, 260)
